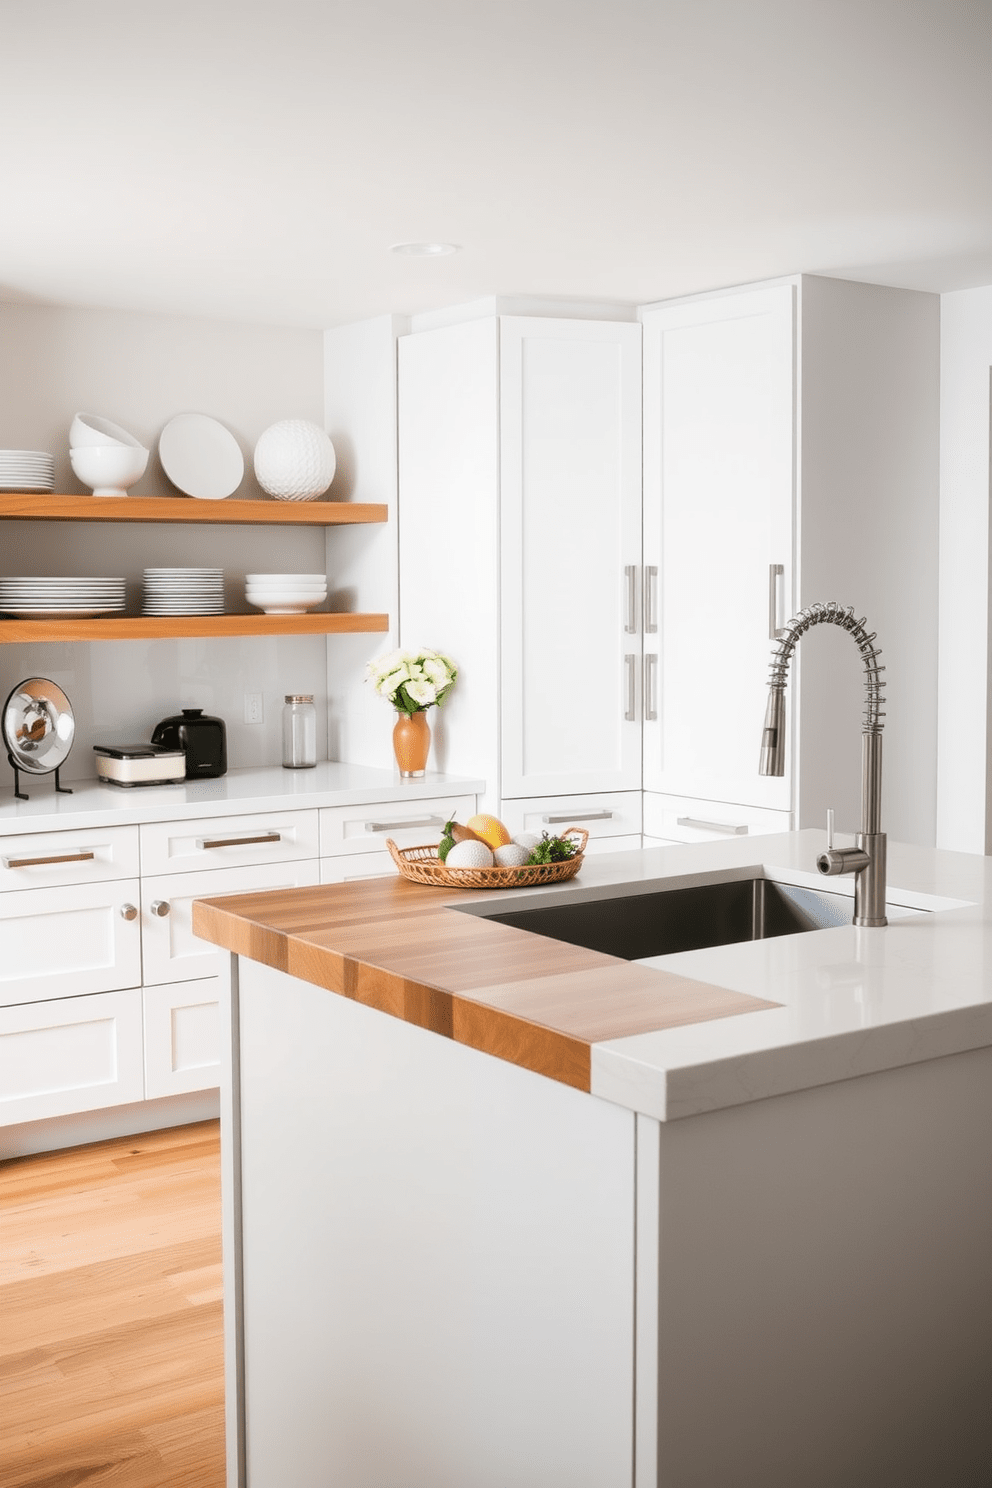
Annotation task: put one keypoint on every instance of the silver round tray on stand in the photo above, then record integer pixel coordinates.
(38, 728)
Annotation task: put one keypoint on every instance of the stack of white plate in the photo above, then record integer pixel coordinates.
(184, 591)
(285, 594)
(55, 598)
(26, 470)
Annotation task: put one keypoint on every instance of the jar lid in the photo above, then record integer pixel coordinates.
(299, 697)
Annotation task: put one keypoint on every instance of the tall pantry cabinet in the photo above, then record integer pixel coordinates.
(790, 456)
(520, 553)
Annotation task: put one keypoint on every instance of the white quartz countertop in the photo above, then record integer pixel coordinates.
(853, 1001)
(271, 789)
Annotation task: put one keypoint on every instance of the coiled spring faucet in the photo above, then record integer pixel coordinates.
(867, 860)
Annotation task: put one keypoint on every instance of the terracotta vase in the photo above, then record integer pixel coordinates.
(411, 743)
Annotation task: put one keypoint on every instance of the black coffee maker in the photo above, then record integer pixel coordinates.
(203, 740)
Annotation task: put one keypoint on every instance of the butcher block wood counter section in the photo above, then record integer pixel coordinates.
(398, 947)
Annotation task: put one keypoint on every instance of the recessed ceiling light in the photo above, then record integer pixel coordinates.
(425, 250)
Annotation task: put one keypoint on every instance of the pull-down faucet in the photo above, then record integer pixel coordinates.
(867, 860)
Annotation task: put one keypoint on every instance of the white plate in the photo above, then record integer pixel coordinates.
(62, 612)
(201, 457)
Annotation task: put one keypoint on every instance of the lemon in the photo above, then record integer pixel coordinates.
(489, 828)
(469, 854)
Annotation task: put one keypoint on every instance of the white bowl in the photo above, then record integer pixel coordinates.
(297, 578)
(89, 429)
(285, 604)
(109, 468)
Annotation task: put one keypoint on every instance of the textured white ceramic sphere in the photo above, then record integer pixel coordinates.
(294, 460)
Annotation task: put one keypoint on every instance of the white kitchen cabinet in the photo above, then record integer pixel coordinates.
(519, 460)
(68, 941)
(688, 819)
(169, 950)
(613, 821)
(182, 1032)
(718, 481)
(70, 1054)
(234, 841)
(790, 456)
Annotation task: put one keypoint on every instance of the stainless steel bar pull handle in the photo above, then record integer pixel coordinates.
(83, 856)
(651, 687)
(574, 816)
(776, 572)
(205, 842)
(651, 599)
(397, 826)
(630, 578)
(729, 828)
(630, 713)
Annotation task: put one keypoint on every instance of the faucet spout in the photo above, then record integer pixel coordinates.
(867, 859)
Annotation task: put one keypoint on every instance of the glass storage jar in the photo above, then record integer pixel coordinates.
(299, 732)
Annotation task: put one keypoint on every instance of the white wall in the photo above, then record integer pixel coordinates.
(140, 370)
(362, 561)
(963, 734)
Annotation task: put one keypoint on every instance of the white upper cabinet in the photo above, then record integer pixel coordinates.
(570, 552)
(719, 463)
(520, 485)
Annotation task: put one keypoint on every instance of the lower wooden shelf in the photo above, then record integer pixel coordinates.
(173, 627)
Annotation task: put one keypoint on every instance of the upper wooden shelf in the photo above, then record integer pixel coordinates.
(36, 508)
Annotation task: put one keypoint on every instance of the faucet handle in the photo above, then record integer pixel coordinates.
(830, 828)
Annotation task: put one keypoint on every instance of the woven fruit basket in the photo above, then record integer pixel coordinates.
(422, 865)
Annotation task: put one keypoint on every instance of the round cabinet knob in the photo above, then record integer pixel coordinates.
(160, 907)
(129, 912)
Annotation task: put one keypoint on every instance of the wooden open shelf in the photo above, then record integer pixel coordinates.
(187, 509)
(173, 627)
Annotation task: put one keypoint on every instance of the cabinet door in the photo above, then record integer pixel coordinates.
(182, 1037)
(170, 952)
(570, 501)
(68, 941)
(719, 468)
(72, 1054)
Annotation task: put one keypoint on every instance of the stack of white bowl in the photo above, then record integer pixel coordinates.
(285, 594)
(104, 455)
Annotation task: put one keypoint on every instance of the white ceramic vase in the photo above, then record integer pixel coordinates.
(294, 460)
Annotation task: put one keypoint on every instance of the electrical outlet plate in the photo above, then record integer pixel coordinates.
(253, 707)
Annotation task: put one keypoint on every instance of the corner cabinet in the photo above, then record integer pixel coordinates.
(519, 497)
(186, 511)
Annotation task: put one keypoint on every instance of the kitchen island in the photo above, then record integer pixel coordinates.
(508, 1212)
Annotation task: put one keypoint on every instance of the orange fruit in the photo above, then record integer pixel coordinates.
(489, 828)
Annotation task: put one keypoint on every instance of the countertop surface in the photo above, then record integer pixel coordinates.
(674, 1036)
(271, 788)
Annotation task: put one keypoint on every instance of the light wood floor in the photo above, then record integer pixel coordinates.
(111, 1358)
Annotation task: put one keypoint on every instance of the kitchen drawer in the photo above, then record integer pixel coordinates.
(687, 819)
(74, 1054)
(182, 1037)
(614, 814)
(348, 866)
(69, 941)
(228, 842)
(170, 952)
(362, 829)
(45, 859)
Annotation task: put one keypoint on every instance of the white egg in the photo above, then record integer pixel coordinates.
(511, 855)
(529, 840)
(469, 854)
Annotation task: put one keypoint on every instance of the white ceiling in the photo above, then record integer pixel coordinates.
(257, 159)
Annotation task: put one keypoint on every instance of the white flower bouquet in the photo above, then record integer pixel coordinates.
(412, 680)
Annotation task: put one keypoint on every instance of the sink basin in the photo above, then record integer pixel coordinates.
(659, 922)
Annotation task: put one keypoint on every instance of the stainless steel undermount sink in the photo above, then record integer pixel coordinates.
(658, 922)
